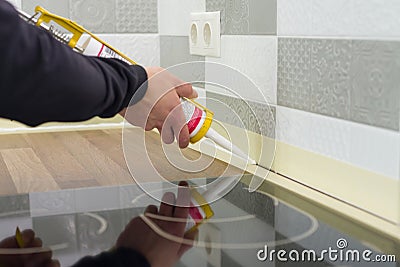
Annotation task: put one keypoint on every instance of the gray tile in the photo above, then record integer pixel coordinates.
(253, 116)
(245, 16)
(375, 92)
(175, 50)
(16, 205)
(60, 7)
(263, 17)
(330, 77)
(139, 16)
(57, 230)
(355, 80)
(217, 5)
(98, 231)
(294, 73)
(95, 15)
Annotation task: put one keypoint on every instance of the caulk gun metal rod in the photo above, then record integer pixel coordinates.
(222, 141)
(33, 20)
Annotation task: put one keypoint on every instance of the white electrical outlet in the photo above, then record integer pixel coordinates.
(205, 34)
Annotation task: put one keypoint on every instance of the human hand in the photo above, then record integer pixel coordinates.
(39, 259)
(158, 249)
(160, 107)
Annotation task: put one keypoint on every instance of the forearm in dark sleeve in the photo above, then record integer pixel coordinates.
(43, 80)
(122, 257)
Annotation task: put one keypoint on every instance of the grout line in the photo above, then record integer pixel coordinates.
(361, 38)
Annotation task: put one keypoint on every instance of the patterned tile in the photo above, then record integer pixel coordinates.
(217, 5)
(237, 17)
(60, 8)
(175, 50)
(253, 116)
(139, 16)
(375, 93)
(245, 16)
(294, 73)
(347, 79)
(330, 77)
(95, 15)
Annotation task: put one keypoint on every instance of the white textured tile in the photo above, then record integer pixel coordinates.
(294, 17)
(292, 127)
(332, 17)
(364, 146)
(174, 15)
(376, 18)
(375, 149)
(254, 57)
(52, 203)
(351, 18)
(18, 4)
(97, 198)
(330, 137)
(144, 49)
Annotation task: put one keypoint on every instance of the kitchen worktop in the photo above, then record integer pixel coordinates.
(81, 197)
(83, 221)
(45, 161)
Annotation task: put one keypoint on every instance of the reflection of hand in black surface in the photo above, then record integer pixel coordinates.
(158, 250)
(43, 259)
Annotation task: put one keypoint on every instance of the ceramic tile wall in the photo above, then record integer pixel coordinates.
(130, 26)
(340, 63)
(341, 93)
(127, 16)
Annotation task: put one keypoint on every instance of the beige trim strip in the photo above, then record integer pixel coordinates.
(361, 196)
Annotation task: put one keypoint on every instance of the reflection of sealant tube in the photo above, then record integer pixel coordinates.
(200, 209)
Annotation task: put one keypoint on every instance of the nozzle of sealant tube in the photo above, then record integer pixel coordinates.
(223, 142)
(199, 119)
(200, 209)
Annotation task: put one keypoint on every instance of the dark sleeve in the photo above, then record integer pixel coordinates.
(43, 80)
(121, 257)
